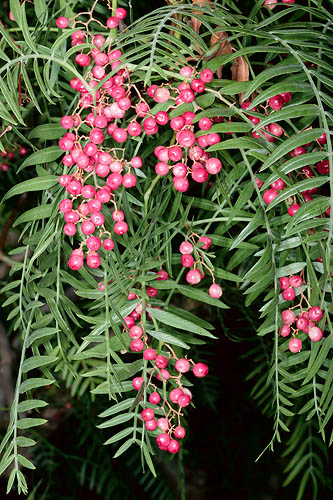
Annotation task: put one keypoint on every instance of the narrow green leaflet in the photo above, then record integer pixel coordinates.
(35, 184)
(172, 320)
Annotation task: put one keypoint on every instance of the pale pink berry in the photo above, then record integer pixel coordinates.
(179, 432)
(87, 227)
(69, 229)
(180, 184)
(163, 424)
(93, 243)
(193, 277)
(215, 291)
(315, 333)
(120, 13)
(288, 294)
(161, 94)
(295, 345)
(165, 375)
(213, 166)
(295, 281)
(285, 331)
(186, 248)
(288, 316)
(205, 242)
(182, 365)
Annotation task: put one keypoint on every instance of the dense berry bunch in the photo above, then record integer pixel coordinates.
(304, 318)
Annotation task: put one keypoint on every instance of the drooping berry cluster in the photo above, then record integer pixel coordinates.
(305, 317)
(194, 275)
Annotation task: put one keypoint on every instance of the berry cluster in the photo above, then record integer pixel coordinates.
(306, 316)
(9, 156)
(100, 168)
(194, 275)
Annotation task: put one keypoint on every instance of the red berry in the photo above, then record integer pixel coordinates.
(151, 425)
(148, 414)
(184, 400)
(162, 275)
(293, 209)
(154, 398)
(137, 345)
(315, 313)
(149, 354)
(173, 446)
(163, 440)
(179, 432)
(275, 102)
(174, 395)
(270, 195)
(62, 22)
(288, 294)
(161, 361)
(295, 281)
(75, 262)
(135, 332)
(187, 260)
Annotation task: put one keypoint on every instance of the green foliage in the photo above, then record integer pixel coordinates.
(76, 340)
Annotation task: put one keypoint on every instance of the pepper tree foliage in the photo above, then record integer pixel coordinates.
(79, 342)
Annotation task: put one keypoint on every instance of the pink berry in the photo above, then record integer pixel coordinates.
(163, 440)
(136, 332)
(293, 209)
(75, 262)
(286, 96)
(162, 275)
(315, 333)
(302, 323)
(69, 229)
(200, 175)
(285, 331)
(295, 281)
(278, 185)
(205, 242)
(206, 75)
(87, 227)
(136, 345)
(295, 345)
(315, 313)
(275, 102)
(163, 424)
(93, 243)
(288, 294)
(186, 248)
(136, 162)
(161, 168)
(179, 432)
(288, 316)
(120, 228)
(148, 414)
(284, 283)
(213, 166)
(165, 375)
(180, 184)
(174, 395)
(200, 370)
(187, 260)
(129, 180)
(151, 425)
(120, 13)
(186, 138)
(275, 129)
(215, 291)
(161, 361)
(112, 23)
(108, 244)
(193, 277)
(184, 400)
(186, 71)
(62, 22)
(270, 195)
(174, 446)
(161, 94)
(65, 205)
(182, 365)
(174, 153)
(154, 398)
(149, 354)
(137, 383)
(93, 260)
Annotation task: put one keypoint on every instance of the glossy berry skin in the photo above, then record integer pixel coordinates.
(286, 96)
(205, 242)
(108, 244)
(182, 365)
(135, 332)
(174, 446)
(62, 22)
(120, 227)
(213, 166)
(215, 291)
(165, 375)
(148, 414)
(288, 317)
(302, 323)
(278, 185)
(179, 432)
(154, 398)
(315, 313)
(200, 370)
(288, 294)
(186, 248)
(162, 275)
(270, 195)
(180, 184)
(295, 345)
(151, 425)
(75, 262)
(315, 333)
(206, 75)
